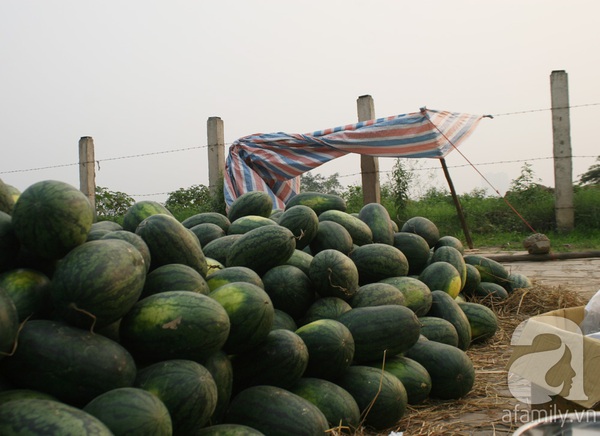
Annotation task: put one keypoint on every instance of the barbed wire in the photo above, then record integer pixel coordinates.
(545, 109)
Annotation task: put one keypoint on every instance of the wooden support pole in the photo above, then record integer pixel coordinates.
(369, 165)
(87, 174)
(216, 152)
(457, 204)
(563, 166)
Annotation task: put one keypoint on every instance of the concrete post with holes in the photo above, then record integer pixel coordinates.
(216, 152)
(369, 165)
(87, 173)
(563, 166)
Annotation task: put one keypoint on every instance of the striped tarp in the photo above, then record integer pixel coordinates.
(273, 162)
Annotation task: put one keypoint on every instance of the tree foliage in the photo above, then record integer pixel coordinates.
(318, 183)
(592, 175)
(186, 202)
(111, 204)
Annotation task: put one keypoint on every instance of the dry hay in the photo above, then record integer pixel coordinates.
(482, 410)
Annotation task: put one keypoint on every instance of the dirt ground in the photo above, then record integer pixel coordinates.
(581, 275)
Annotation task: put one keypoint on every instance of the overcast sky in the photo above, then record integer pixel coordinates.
(144, 76)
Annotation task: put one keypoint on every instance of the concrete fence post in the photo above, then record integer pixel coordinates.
(87, 173)
(369, 165)
(216, 152)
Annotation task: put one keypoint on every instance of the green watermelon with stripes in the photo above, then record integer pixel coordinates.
(489, 269)
(417, 294)
(186, 388)
(170, 242)
(276, 411)
(228, 430)
(423, 227)
(262, 248)
(250, 311)
(9, 323)
(455, 258)
(336, 403)
(218, 249)
(439, 329)
(325, 308)
(51, 217)
(331, 236)
(233, 274)
(7, 201)
(359, 230)
(29, 290)
(174, 277)
(317, 201)
(175, 325)
(381, 397)
(207, 232)
(69, 363)
(207, 217)
(139, 211)
(378, 219)
(330, 348)
(378, 261)
(131, 411)
(302, 221)
(416, 250)
(377, 294)
(250, 203)
(249, 222)
(35, 416)
(334, 274)
(444, 306)
(442, 276)
(482, 319)
(414, 377)
(290, 289)
(134, 240)
(9, 243)
(97, 283)
(219, 366)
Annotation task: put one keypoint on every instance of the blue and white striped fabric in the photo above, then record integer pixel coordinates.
(273, 162)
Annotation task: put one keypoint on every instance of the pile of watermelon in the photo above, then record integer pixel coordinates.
(260, 321)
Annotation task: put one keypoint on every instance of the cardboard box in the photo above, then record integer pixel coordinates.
(562, 364)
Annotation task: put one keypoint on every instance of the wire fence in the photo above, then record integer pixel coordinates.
(100, 162)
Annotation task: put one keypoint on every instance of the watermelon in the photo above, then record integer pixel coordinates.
(331, 235)
(381, 397)
(330, 348)
(417, 295)
(336, 403)
(139, 211)
(279, 360)
(377, 294)
(50, 218)
(134, 240)
(9, 243)
(175, 325)
(249, 222)
(19, 394)
(442, 276)
(262, 248)
(381, 330)
(250, 313)
(98, 282)
(450, 241)
(185, 387)
(207, 217)
(290, 289)
(473, 278)
(414, 377)
(359, 230)
(233, 274)
(439, 330)
(7, 202)
(378, 219)
(490, 270)
(491, 290)
(276, 411)
(317, 201)
(334, 274)
(300, 259)
(35, 416)
(219, 366)
(444, 306)
(282, 320)
(174, 277)
(250, 203)
(72, 364)
(415, 248)
(228, 430)
(219, 248)
(325, 308)
(302, 221)
(423, 227)
(131, 411)
(170, 242)
(482, 319)
(378, 261)
(9, 323)
(518, 281)
(111, 226)
(452, 372)
(29, 290)
(455, 258)
(207, 232)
